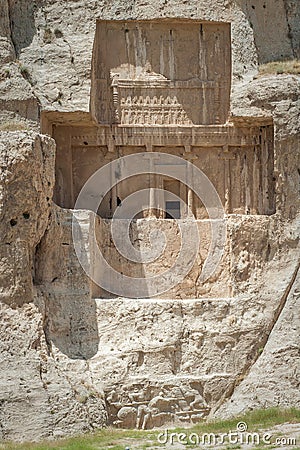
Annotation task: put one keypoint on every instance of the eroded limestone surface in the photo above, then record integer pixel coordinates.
(37, 399)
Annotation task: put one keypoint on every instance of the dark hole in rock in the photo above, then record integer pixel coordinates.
(58, 33)
(26, 215)
(13, 222)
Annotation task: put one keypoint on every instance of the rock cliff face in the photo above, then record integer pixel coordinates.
(33, 391)
(273, 380)
(72, 362)
(25, 209)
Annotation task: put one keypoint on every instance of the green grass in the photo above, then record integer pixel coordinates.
(14, 125)
(115, 439)
(101, 440)
(280, 67)
(258, 419)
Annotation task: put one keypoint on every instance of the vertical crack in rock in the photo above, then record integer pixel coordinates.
(260, 345)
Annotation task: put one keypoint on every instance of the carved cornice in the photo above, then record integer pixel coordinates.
(172, 136)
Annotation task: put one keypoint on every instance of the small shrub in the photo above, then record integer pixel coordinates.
(24, 71)
(48, 36)
(4, 74)
(26, 74)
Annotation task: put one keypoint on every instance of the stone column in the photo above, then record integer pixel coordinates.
(110, 156)
(152, 189)
(152, 180)
(226, 155)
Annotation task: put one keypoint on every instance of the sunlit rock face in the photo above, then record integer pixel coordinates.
(87, 342)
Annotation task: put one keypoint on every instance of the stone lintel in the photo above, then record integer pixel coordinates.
(150, 137)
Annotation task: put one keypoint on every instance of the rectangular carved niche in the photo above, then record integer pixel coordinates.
(241, 170)
(163, 72)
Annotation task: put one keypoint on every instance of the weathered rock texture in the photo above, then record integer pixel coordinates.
(274, 379)
(27, 179)
(36, 399)
(71, 361)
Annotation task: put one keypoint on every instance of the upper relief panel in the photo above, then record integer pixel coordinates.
(163, 72)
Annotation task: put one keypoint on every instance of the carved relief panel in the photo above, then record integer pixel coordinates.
(173, 72)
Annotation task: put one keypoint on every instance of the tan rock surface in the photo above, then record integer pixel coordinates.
(56, 44)
(27, 176)
(274, 379)
(37, 401)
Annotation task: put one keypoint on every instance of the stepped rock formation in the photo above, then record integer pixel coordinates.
(83, 83)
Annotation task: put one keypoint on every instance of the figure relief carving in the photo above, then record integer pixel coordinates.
(147, 108)
(149, 405)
